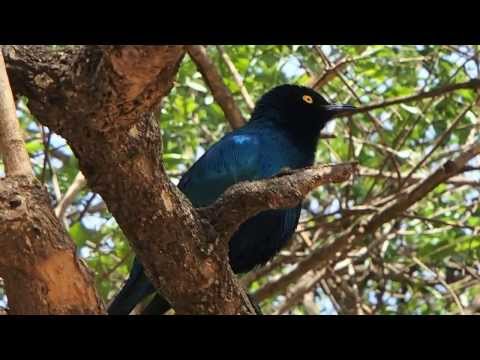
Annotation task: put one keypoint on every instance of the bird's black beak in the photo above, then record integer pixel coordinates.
(339, 110)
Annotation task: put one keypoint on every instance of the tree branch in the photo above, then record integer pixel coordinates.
(237, 77)
(12, 146)
(329, 74)
(77, 185)
(246, 199)
(439, 141)
(97, 79)
(214, 81)
(471, 84)
(357, 232)
(307, 283)
(37, 258)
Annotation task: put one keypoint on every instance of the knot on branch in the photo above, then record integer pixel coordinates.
(450, 167)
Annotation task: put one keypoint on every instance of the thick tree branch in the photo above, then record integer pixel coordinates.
(97, 79)
(214, 81)
(37, 258)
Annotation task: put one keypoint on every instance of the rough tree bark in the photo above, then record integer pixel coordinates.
(100, 99)
(38, 261)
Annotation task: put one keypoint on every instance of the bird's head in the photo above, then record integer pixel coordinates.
(298, 108)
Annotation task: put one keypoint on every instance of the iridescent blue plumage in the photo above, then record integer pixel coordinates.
(282, 133)
(257, 151)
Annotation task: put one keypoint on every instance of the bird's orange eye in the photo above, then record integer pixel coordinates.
(308, 99)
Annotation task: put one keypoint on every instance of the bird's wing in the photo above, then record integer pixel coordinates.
(233, 159)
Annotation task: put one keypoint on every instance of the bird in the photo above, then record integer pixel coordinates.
(282, 133)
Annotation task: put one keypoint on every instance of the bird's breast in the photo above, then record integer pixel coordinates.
(279, 152)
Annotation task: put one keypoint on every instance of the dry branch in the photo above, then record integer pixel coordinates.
(441, 90)
(12, 146)
(77, 185)
(214, 81)
(237, 77)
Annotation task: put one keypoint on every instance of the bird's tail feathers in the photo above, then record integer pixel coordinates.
(136, 288)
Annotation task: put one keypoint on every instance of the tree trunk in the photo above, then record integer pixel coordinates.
(41, 271)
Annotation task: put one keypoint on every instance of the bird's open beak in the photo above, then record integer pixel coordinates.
(339, 110)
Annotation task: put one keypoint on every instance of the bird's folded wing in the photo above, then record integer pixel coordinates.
(233, 159)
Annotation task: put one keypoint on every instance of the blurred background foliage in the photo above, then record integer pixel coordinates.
(427, 261)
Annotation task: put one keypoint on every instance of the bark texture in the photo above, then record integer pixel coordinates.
(38, 263)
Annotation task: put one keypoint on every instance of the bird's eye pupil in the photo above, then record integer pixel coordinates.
(308, 99)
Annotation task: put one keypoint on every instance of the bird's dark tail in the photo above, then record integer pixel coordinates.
(158, 306)
(135, 290)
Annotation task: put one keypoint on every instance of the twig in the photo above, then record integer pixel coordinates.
(119, 263)
(441, 281)
(309, 304)
(46, 153)
(254, 275)
(375, 122)
(87, 207)
(398, 143)
(422, 218)
(471, 84)
(457, 180)
(214, 81)
(333, 70)
(326, 289)
(46, 145)
(56, 186)
(77, 185)
(437, 143)
(329, 74)
(237, 77)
